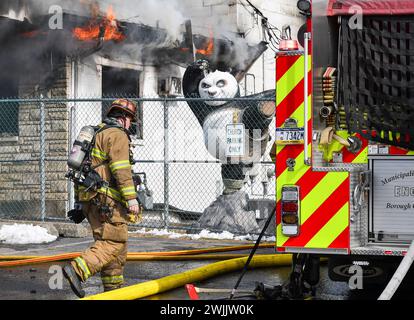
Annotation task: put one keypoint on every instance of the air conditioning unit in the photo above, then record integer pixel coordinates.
(170, 86)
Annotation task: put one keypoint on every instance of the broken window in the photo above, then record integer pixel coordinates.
(9, 111)
(121, 83)
(170, 87)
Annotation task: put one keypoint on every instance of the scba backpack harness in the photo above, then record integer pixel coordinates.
(81, 171)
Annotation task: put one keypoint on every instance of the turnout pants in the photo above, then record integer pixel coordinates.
(109, 252)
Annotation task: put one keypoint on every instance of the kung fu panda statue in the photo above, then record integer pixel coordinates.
(229, 212)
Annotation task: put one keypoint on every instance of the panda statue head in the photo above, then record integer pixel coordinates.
(218, 84)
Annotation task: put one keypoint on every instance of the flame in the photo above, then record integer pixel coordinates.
(107, 25)
(209, 48)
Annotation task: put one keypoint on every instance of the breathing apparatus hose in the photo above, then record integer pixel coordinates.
(256, 245)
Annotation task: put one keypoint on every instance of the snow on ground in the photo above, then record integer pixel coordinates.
(204, 234)
(29, 234)
(24, 234)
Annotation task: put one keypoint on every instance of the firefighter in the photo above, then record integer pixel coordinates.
(109, 208)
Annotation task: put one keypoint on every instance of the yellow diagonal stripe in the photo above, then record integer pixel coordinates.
(335, 226)
(320, 193)
(298, 115)
(291, 177)
(362, 157)
(291, 79)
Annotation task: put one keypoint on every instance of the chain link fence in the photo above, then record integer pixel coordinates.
(203, 164)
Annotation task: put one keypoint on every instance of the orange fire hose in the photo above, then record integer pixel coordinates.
(134, 256)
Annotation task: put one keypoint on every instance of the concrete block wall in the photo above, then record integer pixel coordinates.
(20, 179)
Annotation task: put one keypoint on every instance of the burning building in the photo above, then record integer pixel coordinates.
(90, 49)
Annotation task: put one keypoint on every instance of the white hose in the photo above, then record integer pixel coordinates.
(399, 275)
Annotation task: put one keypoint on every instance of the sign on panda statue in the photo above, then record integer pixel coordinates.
(236, 132)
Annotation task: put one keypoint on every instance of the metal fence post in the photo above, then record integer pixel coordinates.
(42, 160)
(165, 216)
(71, 201)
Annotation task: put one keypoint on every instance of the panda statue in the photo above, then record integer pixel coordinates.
(229, 211)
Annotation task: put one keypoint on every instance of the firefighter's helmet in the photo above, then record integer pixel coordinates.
(127, 107)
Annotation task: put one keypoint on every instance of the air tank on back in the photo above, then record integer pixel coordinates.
(81, 144)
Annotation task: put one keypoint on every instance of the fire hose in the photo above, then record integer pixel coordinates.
(145, 289)
(399, 274)
(233, 262)
(14, 261)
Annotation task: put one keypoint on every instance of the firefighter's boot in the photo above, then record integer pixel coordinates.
(74, 280)
(112, 282)
(110, 288)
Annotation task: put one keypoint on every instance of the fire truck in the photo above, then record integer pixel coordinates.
(345, 140)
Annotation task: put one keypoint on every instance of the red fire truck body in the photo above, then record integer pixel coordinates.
(345, 136)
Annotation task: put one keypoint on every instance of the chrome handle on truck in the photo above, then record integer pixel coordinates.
(359, 192)
(306, 91)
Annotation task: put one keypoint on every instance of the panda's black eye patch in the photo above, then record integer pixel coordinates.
(221, 83)
(205, 85)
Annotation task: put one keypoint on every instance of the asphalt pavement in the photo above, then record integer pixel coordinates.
(36, 282)
(32, 282)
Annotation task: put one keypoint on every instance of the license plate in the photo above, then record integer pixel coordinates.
(290, 135)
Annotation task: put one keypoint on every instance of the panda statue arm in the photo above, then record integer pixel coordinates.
(192, 77)
(259, 114)
(191, 80)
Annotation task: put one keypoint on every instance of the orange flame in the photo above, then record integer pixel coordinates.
(93, 30)
(209, 48)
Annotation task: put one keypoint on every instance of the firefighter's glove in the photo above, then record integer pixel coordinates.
(134, 211)
(76, 214)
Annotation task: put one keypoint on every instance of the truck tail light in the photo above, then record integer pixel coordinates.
(290, 207)
(290, 210)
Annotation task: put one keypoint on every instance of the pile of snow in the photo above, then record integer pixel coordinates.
(24, 234)
(204, 234)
